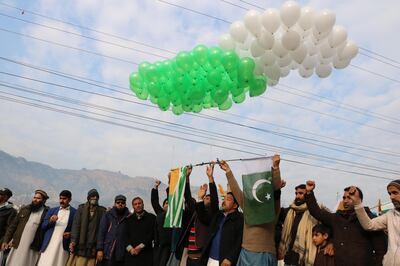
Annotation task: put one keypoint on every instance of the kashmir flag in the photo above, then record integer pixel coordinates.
(259, 205)
(177, 182)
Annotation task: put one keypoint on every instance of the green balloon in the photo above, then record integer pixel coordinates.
(152, 73)
(163, 103)
(177, 110)
(187, 107)
(219, 95)
(230, 60)
(225, 105)
(236, 90)
(134, 79)
(197, 108)
(143, 68)
(239, 98)
(200, 53)
(214, 56)
(258, 86)
(154, 89)
(246, 66)
(176, 99)
(143, 95)
(153, 99)
(184, 61)
(197, 95)
(214, 77)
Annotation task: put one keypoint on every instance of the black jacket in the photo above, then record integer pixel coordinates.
(353, 245)
(7, 214)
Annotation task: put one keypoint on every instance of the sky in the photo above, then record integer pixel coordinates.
(140, 31)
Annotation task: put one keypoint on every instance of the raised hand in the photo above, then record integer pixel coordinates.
(283, 184)
(157, 184)
(202, 191)
(354, 194)
(188, 170)
(310, 185)
(224, 166)
(276, 159)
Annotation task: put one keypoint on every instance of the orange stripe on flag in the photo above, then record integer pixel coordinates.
(173, 181)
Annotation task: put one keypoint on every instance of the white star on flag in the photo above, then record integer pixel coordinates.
(268, 197)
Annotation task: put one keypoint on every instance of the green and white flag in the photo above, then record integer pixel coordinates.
(259, 205)
(177, 182)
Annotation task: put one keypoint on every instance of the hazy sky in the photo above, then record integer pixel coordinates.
(70, 142)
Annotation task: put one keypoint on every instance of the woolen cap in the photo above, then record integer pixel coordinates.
(93, 192)
(6, 191)
(43, 193)
(395, 183)
(120, 197)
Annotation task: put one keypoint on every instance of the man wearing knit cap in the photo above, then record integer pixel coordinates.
(389, 221)
(24, 235)
(110, 239)
(7, 214)
(57, 232)
(84, 231)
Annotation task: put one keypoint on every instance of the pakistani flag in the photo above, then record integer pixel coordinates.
(177, 184)
(258, 191)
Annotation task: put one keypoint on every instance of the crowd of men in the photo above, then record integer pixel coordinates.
(304, 233)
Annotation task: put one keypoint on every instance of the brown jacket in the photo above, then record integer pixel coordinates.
(15, 230)
(323, 260)
(353, 245)
(257, 238)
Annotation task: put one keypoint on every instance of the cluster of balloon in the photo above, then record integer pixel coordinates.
(203, 78)
(291, 38)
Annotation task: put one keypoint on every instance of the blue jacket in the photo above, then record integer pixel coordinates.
(110, 237)
(48, 227)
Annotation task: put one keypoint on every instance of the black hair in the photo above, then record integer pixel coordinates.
(136, 198)
(359, 192)
(163, 203)
(234, 199)
(301, 186)
(66, 193)
(323, 229)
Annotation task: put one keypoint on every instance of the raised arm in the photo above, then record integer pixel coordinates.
(155, 201)
(312, 205)
(237, 192)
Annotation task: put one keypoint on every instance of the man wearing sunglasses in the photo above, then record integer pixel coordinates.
(110, 244)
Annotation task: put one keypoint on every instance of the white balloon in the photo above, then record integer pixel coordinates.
(291, 40)
(305, 73)
(299, 30)
(323, 70)
(272, 82)
(326, 50)
(293, 65)
(349, 51)
(285, 71)
(324, 21)
(309, 62)
(266, 40)
(238, 31)
(299, 54)
(279, 50)
(318, 37)
(311, 48)
(284, 61)
(337, 36)
(259, 69)
(290, 13)
(323, 60)
(268, 58)
(226, 42)
(252, 21)
(306, 20)
(255, 49)
(340, 64)
(270, 19)
(273, 72)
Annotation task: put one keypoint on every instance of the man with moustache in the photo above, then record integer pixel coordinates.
(110, 239)
(84, 231)
(389, 221)
(353, 245)
(24, 235)
(57, 232)
(296, 247)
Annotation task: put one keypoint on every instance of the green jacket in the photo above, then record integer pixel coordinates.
(16, 228)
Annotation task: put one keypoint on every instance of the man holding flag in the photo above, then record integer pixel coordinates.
(260, 202)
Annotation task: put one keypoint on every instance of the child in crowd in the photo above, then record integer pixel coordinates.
(321, 237)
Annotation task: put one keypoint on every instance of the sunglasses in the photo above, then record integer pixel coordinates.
(120, 202)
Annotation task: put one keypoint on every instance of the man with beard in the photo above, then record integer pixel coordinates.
(57, 232)
(7, 214)
(296, 246)
(389, 221)
(353, 245)
(140, 235)
(84, 231)
(110, 239)
(25, 232)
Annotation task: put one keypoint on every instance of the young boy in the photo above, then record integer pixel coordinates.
(321, 237)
